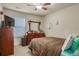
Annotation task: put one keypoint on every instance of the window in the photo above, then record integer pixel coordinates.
(19, 28)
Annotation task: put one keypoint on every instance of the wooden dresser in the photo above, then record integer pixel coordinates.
(6, 41)
(32, 35)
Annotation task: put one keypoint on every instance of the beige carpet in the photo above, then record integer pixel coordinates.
(22, 51)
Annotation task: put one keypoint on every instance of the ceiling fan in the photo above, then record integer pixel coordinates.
(43, 6)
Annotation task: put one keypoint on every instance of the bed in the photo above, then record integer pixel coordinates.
(46, 46)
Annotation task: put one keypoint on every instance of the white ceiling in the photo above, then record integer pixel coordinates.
(22, 7)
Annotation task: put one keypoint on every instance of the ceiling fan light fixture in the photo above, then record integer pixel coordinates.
(39, 7)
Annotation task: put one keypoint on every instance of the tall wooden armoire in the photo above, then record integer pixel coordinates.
(6, 41)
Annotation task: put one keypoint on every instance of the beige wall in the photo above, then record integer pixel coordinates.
(1, 8)
(1, 17)
(68, 19)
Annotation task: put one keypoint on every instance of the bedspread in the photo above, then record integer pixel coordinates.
(46, 46)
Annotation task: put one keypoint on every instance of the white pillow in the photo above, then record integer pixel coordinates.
(67, 43)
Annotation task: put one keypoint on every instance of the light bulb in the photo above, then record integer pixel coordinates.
(38, 7)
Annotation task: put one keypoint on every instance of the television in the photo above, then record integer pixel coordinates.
(8, 21)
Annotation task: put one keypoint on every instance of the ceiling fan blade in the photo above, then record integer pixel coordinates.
(34, 4)
(47, 4)
(30, 5)
(44, 8)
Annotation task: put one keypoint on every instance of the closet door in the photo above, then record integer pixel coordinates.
(7, 41)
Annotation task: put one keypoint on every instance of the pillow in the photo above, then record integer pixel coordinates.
(75, 35)
(75, 44)
(68, 42)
